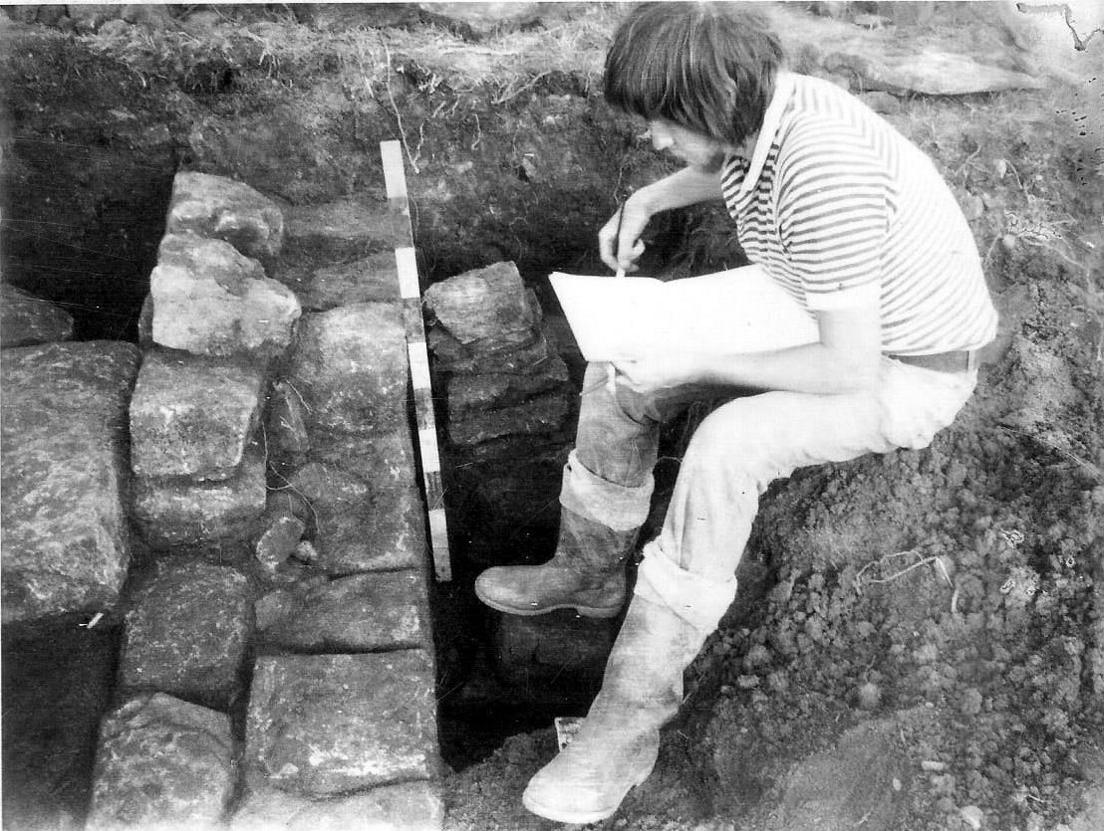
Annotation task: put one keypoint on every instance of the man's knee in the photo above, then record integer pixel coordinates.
(732, 437)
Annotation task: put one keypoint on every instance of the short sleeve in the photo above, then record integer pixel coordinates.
(834, 200)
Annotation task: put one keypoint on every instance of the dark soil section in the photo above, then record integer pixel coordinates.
(58, 678)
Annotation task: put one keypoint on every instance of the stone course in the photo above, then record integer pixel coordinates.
(360, 613)
(186, 632)
(162, 764)
(359, 526)
(219, 208)
(192, 418)
(350, 367)
(410, 806)
(182, 512)
(321, 725)
(209, 299)
(510, 407)
(63, 520)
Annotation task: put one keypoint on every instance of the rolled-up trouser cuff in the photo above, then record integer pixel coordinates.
(698, 600)
(615, 506)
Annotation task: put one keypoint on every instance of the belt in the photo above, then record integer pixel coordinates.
(962, 360)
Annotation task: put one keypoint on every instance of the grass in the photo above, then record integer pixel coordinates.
(507, 63)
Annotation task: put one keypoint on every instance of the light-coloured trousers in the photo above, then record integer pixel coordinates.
(735, 453)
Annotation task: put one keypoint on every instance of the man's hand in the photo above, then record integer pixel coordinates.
(622, 251)
(659, 372)
(688, 186)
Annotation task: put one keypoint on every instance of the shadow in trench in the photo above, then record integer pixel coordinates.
(58, 678)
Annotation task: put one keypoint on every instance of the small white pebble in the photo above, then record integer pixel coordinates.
(973, 816)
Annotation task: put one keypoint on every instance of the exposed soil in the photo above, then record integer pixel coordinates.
(939, 610)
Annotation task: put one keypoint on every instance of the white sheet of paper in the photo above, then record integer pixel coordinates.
(741, 310)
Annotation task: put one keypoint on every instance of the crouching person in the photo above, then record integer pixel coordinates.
(856, 224)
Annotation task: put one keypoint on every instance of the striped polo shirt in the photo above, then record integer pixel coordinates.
(842, 210)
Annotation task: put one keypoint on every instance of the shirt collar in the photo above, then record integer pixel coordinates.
(772, 118)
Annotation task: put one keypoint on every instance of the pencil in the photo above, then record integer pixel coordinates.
(620, 219)
(611, 372)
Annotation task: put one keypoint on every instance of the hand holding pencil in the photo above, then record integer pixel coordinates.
(619, 242)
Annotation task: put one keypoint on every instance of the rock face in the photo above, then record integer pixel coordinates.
(360, 526)
(307, 730)
(173, 513)
(410, 806)
(350, 368)
(353, 614)
(192, 418)
(208, 299)
(162, 764)
(64, 525)
(220, 208)
(26, 320)
(486, 310)
(186, 633)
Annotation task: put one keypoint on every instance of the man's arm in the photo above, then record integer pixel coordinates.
(845, 359)
(688, 186)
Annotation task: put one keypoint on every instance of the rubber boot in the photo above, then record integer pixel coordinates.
(618, 743)
(587, 574)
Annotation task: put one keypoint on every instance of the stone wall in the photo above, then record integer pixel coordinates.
(510, 410)
(276, 665)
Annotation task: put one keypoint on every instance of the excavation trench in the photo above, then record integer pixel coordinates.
(491, 185)
(994, 675)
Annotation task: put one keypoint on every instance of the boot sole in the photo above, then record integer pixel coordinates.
(585, 611)
(581, 817)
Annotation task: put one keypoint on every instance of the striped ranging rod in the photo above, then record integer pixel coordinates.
(418, 355)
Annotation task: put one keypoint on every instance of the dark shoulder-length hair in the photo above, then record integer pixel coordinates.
(709, 67)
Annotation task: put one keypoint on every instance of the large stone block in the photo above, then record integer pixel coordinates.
(453, 356)
(384, 459)
(410, 806)
(487, 309)
(543, 414)
(476, 393)
(359, 527)
(210, 300)
(364, 612)
(174, 512)
(192, 417)
(220, 208)
(322, 725)
(162, 764)
(370, 278)
(351, 368)
(62, 466)
(186, 631)
(26, 320)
